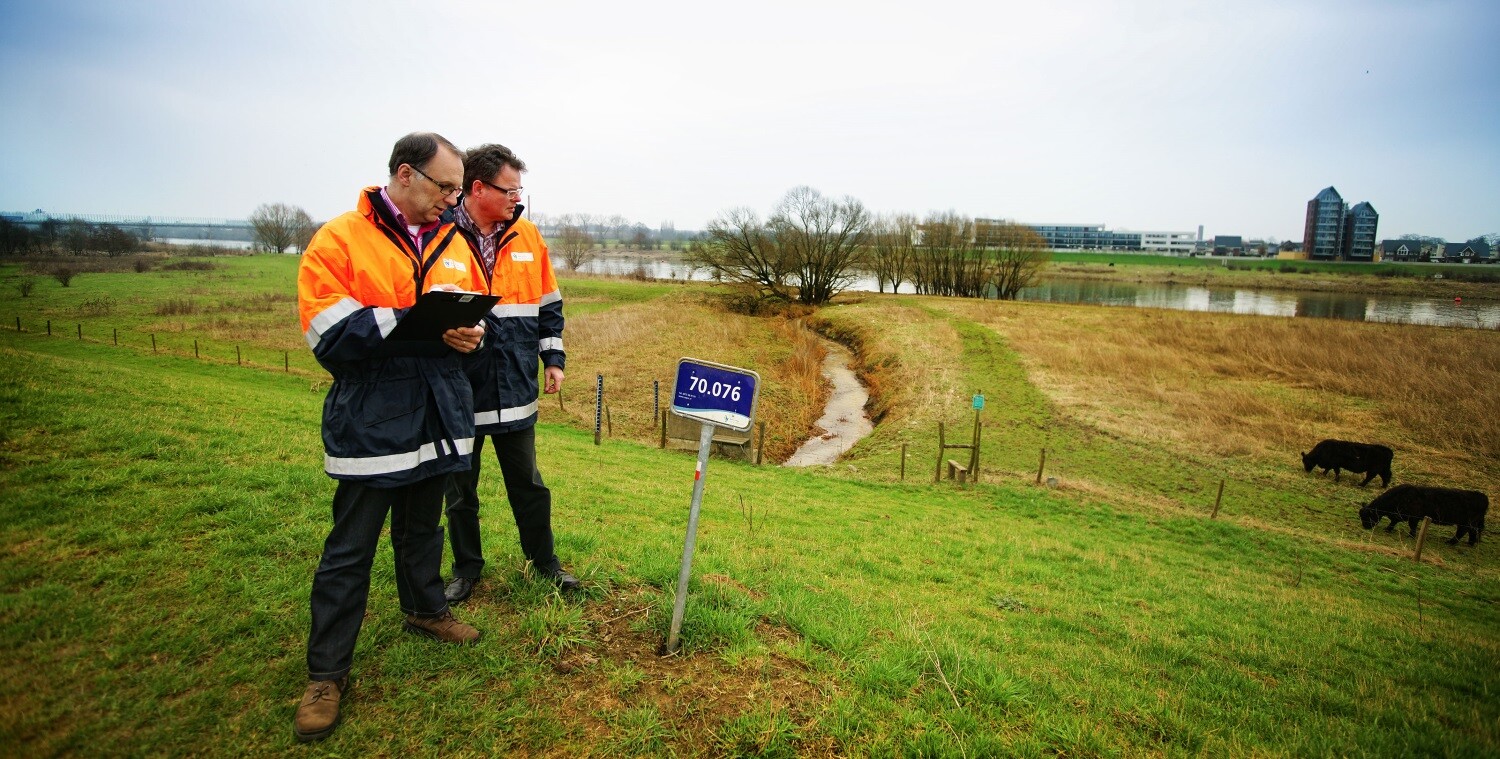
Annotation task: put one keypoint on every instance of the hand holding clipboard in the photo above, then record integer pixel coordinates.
(439, 311)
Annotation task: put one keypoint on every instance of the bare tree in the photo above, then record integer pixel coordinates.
(807, 251)
(77, 235)
(14, 238)
(573, 244)
(1016, 260)
(892, 242)
(739, 247)
(618, 229)
(113, 240)
(823, 237)
(946, 262)
(278, 226)
(48, 233)
(640, 237)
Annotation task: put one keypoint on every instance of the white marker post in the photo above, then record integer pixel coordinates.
(718, 396)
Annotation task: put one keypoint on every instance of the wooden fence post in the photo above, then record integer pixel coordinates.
(117, 335)
(1421, 540)
(974, 454)
(153, 342)
(286, 360)
(80, 331)
(663, 431)
(760, 444)
(1217, 499)
(195, 349)
(49, 328)
(937, 474)
(1041, 467)
(903, 462)
(237, 355)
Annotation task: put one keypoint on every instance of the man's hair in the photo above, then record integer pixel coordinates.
(485, 161)
(417, 148)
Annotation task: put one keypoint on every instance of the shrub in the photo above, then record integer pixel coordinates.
(26, 285)
(177, 307)
(97, 307)
(64, 275)
(142, 265)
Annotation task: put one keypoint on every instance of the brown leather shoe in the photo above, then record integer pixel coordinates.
(318, 713)
(443, 627)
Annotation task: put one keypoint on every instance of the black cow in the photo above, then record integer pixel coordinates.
(1409, 503)
(1373, 460)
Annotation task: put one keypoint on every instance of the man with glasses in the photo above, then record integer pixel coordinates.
(525, 332)
(399, 417)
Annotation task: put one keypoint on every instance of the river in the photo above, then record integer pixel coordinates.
(1294, 303)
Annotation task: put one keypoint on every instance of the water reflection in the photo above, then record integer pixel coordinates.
(1348, 306)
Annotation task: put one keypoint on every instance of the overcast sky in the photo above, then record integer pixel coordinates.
(1146, 115)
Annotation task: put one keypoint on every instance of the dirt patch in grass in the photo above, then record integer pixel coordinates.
(695, 694)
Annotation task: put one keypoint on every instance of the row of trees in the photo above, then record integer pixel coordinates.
(812, 247)
(72, 236)
(276, 227)
(600, 228)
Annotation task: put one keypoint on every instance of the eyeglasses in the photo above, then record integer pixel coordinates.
(443, 187)
(512, 194)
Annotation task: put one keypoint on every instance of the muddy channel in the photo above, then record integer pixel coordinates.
(844, 422)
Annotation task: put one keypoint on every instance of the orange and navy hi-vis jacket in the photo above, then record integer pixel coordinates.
(522, 331)
(397, 412)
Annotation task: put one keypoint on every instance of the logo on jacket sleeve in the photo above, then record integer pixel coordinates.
(449, 263)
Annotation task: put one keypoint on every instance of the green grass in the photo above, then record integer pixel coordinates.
(1466, 272)
(161, 518)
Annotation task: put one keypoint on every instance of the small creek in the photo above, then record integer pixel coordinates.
(844, 421)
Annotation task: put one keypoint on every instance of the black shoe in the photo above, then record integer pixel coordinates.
(460, 589)
(563, 580)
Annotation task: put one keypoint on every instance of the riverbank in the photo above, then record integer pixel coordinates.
(1273, 279)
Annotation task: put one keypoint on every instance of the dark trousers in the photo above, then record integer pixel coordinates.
(530, 504)
(341, 586)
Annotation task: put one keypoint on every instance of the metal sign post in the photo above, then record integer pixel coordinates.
(718, 396)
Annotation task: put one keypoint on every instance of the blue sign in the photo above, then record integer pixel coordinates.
(978, 402)
(715, 394)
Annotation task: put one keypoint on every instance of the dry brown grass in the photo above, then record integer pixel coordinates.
(1266, 387)
(632, 345)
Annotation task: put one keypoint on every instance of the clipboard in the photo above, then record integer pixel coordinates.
(438, 311)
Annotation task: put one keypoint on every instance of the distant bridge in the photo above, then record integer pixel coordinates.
(148, 227)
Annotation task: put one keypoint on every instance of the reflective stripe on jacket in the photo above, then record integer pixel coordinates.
(524, 330)
(397, 412)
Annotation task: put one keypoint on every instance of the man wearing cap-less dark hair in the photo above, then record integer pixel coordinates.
(399, 417)
(525, 334)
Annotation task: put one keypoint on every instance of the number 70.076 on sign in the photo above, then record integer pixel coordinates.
(715, 394)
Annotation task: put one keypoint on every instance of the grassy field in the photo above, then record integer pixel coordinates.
(163, 515)
(1380, 269)
(1406, 279)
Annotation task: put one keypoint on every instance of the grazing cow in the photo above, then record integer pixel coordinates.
(1373, 460)
(1409, 503)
